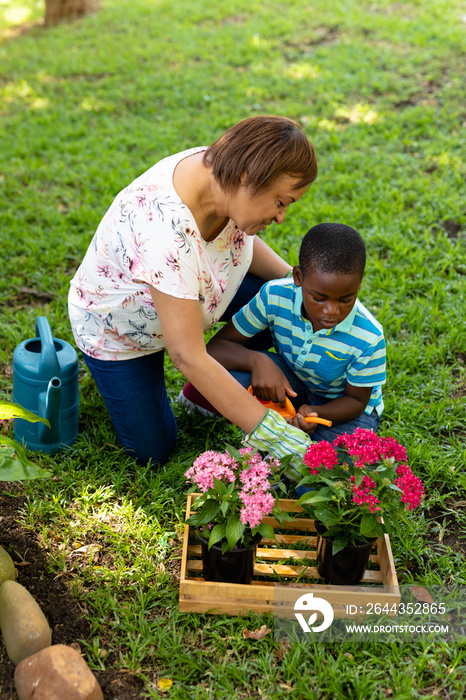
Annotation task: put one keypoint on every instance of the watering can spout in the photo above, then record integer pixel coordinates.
(49, 408)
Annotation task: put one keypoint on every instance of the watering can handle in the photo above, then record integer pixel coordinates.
(48, 361)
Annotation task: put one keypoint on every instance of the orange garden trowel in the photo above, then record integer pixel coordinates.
(289, 410)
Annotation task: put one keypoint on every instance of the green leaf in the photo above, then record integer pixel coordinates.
(359, 477)
(308, 480)
(339, 543)
(326, 516)
(285, 463)
(326, 480)
(217, 533)
(265, 530)
(313, 497)
(14, 410)
(206, 515)
(199, 501)
(234, 530)
(233, 452)
(395, 521)
(193, 520)
(219, 486)
(368, 523)
(282, 487)
(15, 465)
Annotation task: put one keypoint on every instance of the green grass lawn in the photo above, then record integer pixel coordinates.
(86, 107)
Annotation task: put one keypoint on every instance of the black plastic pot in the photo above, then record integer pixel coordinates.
(347, 567)
(235, 566)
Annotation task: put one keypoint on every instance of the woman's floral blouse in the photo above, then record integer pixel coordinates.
(149, 237)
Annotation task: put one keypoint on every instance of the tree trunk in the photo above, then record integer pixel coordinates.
(58, 10)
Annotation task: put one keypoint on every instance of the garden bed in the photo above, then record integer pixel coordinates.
(66, 616)
(288, 562)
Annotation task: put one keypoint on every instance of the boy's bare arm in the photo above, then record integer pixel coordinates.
(268, 381)
(347, 407)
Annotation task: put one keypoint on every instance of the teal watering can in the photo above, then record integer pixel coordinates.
(45, 381)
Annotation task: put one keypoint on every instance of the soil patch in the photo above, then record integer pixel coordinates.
(67, 620)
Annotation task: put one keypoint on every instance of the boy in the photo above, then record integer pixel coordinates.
(329, 350)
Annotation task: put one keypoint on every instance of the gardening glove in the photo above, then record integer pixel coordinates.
(274, 435)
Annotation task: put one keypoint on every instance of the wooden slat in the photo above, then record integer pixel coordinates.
(184, 553)
(298, 525)
(279, 554)
(194, 550)
(235, 608)
(290, 505)
(310, 540)
(213, 591)
(288, 571)
(387, 565)
(285, 570)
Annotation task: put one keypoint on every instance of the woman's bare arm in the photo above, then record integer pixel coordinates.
(181, 323)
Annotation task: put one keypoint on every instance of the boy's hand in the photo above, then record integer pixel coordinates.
(299, 422)
(268, 381)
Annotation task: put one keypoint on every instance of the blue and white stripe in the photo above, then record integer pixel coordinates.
(353, 351)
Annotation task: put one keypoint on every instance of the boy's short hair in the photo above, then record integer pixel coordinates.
(332, 248)
(260, 150)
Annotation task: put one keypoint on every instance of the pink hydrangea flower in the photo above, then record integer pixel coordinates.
(210, 464)
(257, 504)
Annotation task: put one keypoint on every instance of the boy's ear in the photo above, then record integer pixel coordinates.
(297, 276)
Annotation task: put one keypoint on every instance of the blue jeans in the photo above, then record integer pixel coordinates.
(304, 395)
(135, 394)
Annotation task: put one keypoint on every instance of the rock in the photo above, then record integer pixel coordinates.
(22, 623)
(7, 568)
(56, 673)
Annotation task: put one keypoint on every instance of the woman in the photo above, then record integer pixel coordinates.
(176, 252)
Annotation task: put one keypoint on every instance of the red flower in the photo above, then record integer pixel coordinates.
(411, 485)
(363, 446)
(320, 454)
(390, 447)
(362, 494)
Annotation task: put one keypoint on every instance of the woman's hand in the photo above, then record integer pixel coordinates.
(299, 422)
(268, 381)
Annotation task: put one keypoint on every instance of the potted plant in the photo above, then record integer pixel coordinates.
(356, 489)
(237, 494)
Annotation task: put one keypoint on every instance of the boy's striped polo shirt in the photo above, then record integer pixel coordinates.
(324, 360)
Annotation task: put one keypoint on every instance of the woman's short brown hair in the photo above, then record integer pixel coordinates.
(258, 151)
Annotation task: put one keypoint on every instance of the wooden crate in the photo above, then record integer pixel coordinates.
(275, 568)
